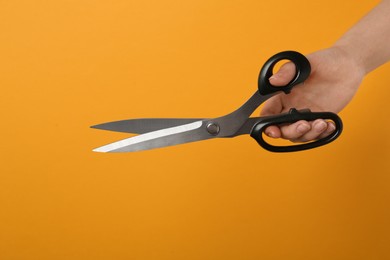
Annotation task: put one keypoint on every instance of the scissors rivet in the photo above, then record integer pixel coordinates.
(213, 128)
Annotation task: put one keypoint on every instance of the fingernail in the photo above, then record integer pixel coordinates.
(320, 126)
(273, 77)
(331, 127)
(270, 134)
(303, 128)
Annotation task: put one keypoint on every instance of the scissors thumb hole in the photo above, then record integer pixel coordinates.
(282, 73)
(299, 74)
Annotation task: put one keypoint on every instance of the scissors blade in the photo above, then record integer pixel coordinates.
(191, 132)
(144, 125)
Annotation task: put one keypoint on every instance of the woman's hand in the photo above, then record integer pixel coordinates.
(334, 79)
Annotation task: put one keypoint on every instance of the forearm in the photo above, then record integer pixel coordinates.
(368, 42)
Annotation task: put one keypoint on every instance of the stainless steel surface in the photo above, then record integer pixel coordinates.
(144, 125)
(166, 137)
(231, 125)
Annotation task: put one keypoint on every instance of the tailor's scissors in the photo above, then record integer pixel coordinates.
(162, 132)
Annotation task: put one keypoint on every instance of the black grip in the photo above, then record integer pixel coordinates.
(292, 117)
(302, 72)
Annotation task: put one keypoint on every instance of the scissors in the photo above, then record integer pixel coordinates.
(162, 132)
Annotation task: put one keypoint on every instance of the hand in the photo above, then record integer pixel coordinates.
(334, 79)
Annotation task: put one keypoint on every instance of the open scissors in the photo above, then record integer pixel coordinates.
(162, 132)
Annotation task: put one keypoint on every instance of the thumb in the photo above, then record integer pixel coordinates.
(285, 74)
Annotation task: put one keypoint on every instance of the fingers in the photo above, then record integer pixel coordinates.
(317, 128)
(302, 131)
(330, 129)
(273, 131)
(294, 131)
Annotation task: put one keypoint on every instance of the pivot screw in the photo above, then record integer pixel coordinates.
(213, 128)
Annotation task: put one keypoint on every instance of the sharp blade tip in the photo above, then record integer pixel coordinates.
(97, 127)
(100, 150)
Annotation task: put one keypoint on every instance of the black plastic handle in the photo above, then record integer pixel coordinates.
(302, 66)
(292, 117)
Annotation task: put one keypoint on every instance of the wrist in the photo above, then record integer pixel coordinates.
(353, 57)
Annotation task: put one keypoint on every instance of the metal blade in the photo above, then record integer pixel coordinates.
(144, 125)
(247, 126)
(187, 133)
(191, 132)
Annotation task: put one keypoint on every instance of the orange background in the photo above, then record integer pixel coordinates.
(66, 65)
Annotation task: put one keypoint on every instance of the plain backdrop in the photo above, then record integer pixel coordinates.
(66, 65)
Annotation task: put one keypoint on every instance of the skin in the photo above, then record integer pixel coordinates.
(336, 75)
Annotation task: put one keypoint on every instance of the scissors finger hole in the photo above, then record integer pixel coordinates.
(288, 145)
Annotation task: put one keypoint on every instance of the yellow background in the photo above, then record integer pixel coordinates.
(66, 65)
